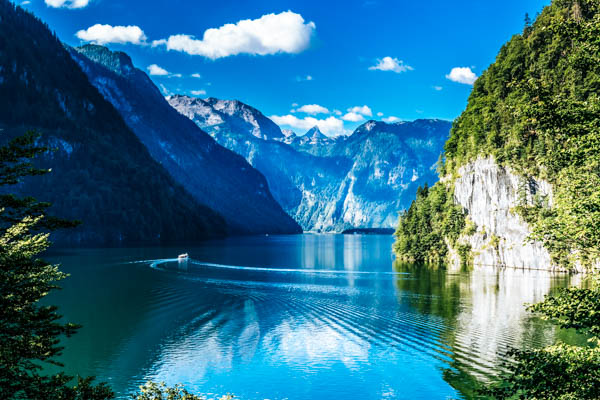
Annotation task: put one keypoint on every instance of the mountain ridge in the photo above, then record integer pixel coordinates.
(360, 181)
(214, 175)
(101, 173)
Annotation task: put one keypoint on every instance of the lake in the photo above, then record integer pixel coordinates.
(296, 317)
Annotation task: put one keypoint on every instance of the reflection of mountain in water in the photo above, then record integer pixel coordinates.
(486, 312)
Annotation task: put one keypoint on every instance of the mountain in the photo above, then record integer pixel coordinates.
(214, 175)
(101, 173)
(228, 117)
(288, 133)
(333, 185)
(312, 139)
(521, 183)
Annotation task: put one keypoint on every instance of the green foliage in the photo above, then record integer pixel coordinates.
(470, 227)
(16, 162)
(431, 218)
(464, 254)
(573, 308)
(561, 371)
(30, 332)
(160, 391)
(537, 109)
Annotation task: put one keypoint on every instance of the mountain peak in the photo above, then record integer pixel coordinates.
(216, 115)
(288, 133)
(315, 133)
(116, 61)
(369, 126)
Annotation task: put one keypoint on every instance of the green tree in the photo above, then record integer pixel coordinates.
(159, 391)
(561, 371)
(30, 332)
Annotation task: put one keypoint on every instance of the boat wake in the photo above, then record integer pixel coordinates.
(156, 264)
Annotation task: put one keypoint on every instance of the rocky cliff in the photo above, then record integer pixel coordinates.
(489, 194)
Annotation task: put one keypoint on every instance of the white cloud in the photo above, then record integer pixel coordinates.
(353, 117)
(156, 70)
(196, 75)
(380, 114)
(294, 104)
(462, 75)
(364, 110)
(285, 32)
(438, 88)
(201, 92)
(312, 109)
(103, 34)
(65, 3)
(24, 3)
(175, 76)
(391, 64)
(304, 78)
(337, 112)
(391, 119)
(330, 125)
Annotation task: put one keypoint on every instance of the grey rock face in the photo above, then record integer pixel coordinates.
(489, 193)
(327, 184)
(222, 117)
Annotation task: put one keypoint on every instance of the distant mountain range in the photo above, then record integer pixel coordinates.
(214, 175)
(326, 184)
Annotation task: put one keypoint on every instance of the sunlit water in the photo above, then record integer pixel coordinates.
(296, 317)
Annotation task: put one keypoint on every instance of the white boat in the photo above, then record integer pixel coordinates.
(183, 256)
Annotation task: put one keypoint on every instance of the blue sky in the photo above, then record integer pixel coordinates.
(394, 57)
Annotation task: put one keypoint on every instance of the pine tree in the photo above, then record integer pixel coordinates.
(30, 332)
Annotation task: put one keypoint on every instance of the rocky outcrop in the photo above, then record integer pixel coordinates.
(489, 193)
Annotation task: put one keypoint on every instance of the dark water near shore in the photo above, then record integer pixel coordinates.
(296, 317)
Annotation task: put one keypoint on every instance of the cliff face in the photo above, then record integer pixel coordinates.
(489, 193)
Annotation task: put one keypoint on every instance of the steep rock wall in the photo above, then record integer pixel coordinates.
(488, 193)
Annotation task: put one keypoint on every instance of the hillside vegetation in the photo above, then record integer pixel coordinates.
(102, 174)
(536, 109)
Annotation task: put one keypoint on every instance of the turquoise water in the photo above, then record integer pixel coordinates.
(296, 317)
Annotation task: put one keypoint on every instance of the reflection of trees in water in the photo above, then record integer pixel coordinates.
(484, 314)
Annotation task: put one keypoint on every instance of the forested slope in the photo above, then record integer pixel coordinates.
(101, 173)
(536, 112)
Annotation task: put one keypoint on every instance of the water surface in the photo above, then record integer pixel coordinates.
(296, 317)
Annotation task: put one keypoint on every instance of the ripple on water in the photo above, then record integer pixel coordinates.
(265, 323)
